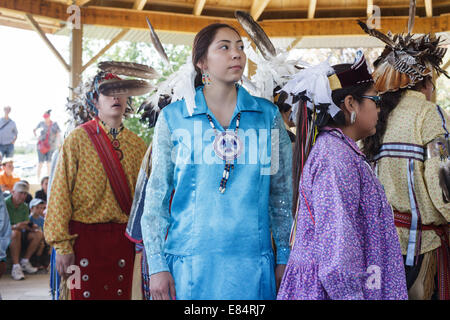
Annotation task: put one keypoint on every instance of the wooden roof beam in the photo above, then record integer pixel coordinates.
(312, 9)
(429, 8)
(198, 7)
(41, 33)
(188, 23)
(257, 8)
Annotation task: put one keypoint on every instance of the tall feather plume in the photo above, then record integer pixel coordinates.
(130, 69)
(377, 34)
(125, 87)
(412, 15)
(157, 43)
(257, 34)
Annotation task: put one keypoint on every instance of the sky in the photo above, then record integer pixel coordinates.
(32, 80)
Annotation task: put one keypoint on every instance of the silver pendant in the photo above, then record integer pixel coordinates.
(227, 146)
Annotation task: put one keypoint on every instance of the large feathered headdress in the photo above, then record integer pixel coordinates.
(107, 82)
(406, 60)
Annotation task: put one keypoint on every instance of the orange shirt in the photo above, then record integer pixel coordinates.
(8, 181)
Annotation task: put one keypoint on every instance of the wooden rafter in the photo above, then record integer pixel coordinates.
(81, 3)
(294, 43)
(312, 9)
(446, 65)
(41, 33)
(188, 23)
(429, 8)
(198, 7)
(113, 41)
(139, 4)
(258, 7)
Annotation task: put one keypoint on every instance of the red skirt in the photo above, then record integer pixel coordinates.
(105, 258)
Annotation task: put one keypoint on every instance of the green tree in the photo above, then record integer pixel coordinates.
(138, 52)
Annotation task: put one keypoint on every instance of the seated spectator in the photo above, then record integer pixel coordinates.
(37, 207)
(24, 232)
(5, 234)
(7, 178)
(42, 194)
(29, 196)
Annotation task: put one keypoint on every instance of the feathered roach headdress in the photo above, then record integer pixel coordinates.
(405, 60)
(107, 82)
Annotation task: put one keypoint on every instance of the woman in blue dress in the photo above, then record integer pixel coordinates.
(220, 185)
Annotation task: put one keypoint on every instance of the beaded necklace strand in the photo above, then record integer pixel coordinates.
(228, 162)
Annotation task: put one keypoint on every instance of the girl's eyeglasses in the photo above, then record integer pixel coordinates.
(376, 99)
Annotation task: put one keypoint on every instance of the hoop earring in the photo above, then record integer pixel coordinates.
(206, 79)
(352, 117)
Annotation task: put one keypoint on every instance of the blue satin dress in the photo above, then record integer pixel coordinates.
(217, 246)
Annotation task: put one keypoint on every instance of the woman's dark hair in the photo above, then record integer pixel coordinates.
(202, 41)
(338, 96)
(389, 101)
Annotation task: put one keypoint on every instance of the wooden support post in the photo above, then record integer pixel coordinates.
(41, 33)
(76, 57)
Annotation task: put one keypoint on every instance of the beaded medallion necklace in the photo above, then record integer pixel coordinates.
(115, 143)
(227, 146)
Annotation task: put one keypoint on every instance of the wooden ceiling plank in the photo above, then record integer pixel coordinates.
(312, 9)
(41, 33)
(257, 8)
(198, 7)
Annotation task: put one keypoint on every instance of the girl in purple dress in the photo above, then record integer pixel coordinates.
(344, 241)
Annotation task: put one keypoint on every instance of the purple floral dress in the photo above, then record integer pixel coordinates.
(346, 244)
